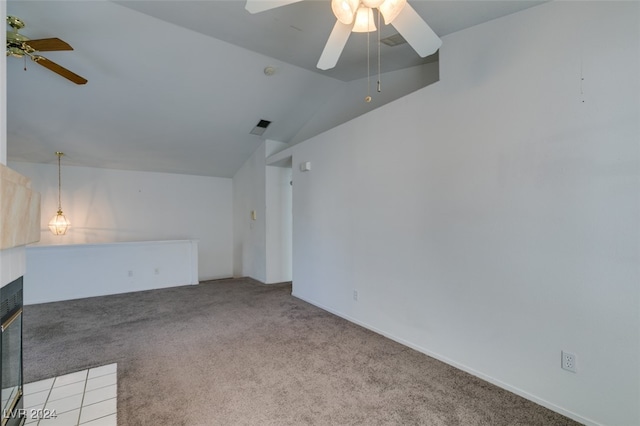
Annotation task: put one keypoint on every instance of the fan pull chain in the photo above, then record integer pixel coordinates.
(368, 97)
(581, 75)
(379, 88)
(25, 62)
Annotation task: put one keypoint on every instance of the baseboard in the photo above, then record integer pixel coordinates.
(256, 281)
(457, 365)
(216, 278)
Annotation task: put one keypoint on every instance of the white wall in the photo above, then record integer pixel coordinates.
(107, 206)
(262, 246)
(66, 272)
(279, 239)
(492, 219)
(348, 102)
(249, 235)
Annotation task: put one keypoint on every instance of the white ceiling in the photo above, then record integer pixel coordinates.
(176, 86)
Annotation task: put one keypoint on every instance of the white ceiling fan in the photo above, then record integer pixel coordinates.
(357, 16)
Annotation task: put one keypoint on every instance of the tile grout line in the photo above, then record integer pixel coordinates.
(102, 417)
(102, 387)
(85, 380)
(46, 399)
(115, 373)
(84, 392)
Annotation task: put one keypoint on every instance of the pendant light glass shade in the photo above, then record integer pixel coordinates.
(59, 224)
(365, 22)
(390, 9)
(345, 10)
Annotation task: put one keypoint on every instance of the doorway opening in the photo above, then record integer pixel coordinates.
(279, 226)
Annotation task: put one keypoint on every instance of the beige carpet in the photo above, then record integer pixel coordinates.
(234, 352)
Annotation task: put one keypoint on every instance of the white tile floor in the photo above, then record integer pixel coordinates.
(86, 398)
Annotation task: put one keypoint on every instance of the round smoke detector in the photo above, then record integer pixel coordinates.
(269, 70)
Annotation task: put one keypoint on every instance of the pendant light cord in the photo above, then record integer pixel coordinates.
(59, 154)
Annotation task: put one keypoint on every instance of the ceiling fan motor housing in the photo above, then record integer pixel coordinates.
(15, 41)
(16, 45)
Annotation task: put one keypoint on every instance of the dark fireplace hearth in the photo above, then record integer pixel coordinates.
(11, 353)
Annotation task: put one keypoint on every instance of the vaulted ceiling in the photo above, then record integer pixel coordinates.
(177, 86)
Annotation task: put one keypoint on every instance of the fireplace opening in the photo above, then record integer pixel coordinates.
(11, 353)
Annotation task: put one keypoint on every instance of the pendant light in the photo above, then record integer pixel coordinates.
(59, 223)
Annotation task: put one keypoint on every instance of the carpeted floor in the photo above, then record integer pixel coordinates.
(234, 352)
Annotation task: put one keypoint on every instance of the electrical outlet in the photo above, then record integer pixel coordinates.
(355, 295)
(569, 362)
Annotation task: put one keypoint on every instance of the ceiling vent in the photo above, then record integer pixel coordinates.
(394, 40)
(260, 127)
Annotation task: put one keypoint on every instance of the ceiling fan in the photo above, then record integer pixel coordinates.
(357, 16)
(20, 46)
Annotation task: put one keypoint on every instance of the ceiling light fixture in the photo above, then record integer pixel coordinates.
(390, 9)
(360, 14)
(364, 21)
(348, 10)
(398, 13)
(59, 223)
(345, 10)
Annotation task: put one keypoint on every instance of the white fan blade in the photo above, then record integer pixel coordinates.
(256, 6)
(418, 34)
(333, 49)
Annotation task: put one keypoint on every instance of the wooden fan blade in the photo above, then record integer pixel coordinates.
(256, 6)
(48, 44)
(59, 70)
(335, 45)
(418, 34)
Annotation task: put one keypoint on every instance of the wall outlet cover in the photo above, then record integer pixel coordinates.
(568, 362)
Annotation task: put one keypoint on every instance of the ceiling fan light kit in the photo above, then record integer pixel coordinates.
(364, 22)
(399, 13)
(345, 10)
(390, 9)
(372, 4)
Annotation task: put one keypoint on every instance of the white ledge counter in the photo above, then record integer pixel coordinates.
(66, 272)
